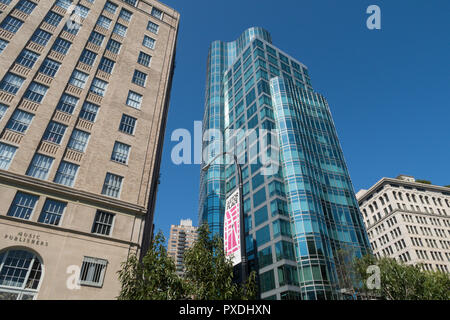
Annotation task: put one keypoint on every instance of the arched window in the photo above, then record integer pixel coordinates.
(20, 275)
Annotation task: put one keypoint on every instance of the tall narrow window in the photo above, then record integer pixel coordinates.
(89, 112)
(112, 185)
(120, 152)
(103, 223)
(11, 83)
(67, 103)
(19, 121)
(79, 140)
(52, 212)
(40, 167)
(7, 153)
(134, 100)
(22, 205)
(66, 174)
(54, 132)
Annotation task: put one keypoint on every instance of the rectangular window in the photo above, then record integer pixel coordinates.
(67, 103)
(65, 4)
(104, 22)
(125, 15)
(36, 92)
(27, 58)
(49, 67)
(106, 65)
(22, 205)
(139, 78)
(120, 153)
(144, 59)
(99, 87)
(93, 272)
(11, 83)
(78, 140)
(96, 38)
(134, 100)
(131, 2)
(78, 79)
(41, 37)
(40, 167)
(88, 57)
(111, 7)
(149, 42)
(7, 153)
(89, 112)
(112, 185)
(3, 108)
(103, 223)
(66, 174)
(11, 24)
(82, 11)
(19, 121)
(120, 30)
(25, 6)
(157, 13)
(127, 124)
(152, 27)
(113, 46)
(3, 44)
(54, 132)
(61, 46)
(52, 212)
(53, 18)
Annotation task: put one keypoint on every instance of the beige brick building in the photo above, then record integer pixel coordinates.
(84, 96)
(182, 237)
(408, 221)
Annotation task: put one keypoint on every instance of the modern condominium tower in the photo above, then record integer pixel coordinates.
(84, 94)
(182, 237)
(300, 215)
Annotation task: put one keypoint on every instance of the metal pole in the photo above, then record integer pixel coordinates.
(244, 263)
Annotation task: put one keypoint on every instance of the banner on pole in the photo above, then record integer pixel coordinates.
(232, 228)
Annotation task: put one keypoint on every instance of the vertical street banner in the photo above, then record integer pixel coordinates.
(232, 228)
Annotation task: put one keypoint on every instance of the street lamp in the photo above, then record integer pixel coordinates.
(244, 273)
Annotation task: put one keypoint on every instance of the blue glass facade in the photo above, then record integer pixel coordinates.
(302, 210)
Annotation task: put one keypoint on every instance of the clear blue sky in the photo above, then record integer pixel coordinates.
(388, 89)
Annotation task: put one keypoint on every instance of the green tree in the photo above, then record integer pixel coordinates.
(403, 282)
(209, 273)
(152, 279)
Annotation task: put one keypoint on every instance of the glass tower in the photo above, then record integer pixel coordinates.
(299, 202)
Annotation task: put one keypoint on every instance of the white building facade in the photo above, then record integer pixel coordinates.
(408, 221)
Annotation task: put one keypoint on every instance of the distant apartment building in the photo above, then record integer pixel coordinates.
(84, 94)
(182, 237)
(408, 221)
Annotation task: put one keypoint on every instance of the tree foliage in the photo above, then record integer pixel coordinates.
(152, 279)
(208, 274)
(403, 282)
